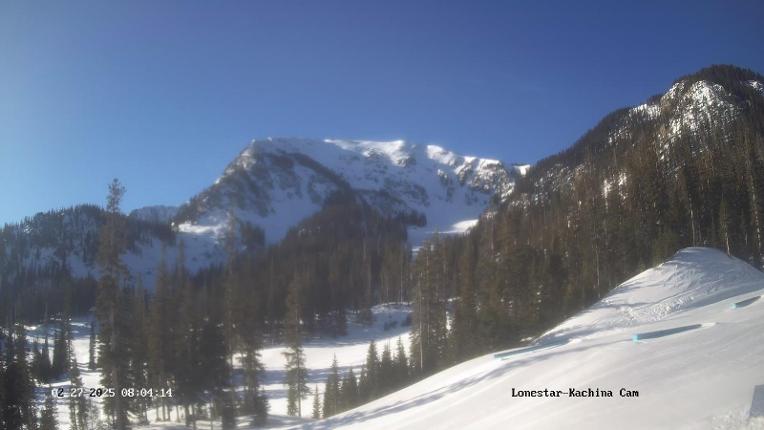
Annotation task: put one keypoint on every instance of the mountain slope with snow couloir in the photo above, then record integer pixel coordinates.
(276, 182)
(702, 377)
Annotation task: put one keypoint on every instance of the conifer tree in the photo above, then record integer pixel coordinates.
(48, 415)
(92, 347)
(37, 367)
(228, 412)
(386, 375)
(113, 354)
(364, 392)
(2, 393)
(18, 388)
(78, 410)
(45, 366)
(162, 357)
(332, 391)
(296, 373)
(60, 353)
(316, 403)
(139, 356)
(401, 363)
(349, 391)
(263, 406)
(429, 311)
(368, 387)
(213, 366)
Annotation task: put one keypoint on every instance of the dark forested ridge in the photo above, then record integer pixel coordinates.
(685, 168)
(37, 254)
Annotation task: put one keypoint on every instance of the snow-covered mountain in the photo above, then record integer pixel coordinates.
(684, 336)
(272, 184)
(275, 183)
(696, 111)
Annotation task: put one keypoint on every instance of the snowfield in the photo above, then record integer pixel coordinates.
(697, 379)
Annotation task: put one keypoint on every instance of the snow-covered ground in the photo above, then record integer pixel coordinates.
(80, 344)
(350, 350)
(700, 378)
(703, 377)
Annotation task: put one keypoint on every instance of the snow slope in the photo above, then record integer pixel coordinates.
(700, 378)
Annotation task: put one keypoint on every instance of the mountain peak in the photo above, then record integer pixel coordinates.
(722, 74)
(275, 182)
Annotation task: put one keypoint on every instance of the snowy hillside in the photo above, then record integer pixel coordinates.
(702, 377)
(695, 113)
(275, 183)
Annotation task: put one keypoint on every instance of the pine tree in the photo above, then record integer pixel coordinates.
(139, 357)
(92, 347)
(78, 410)
(332, 399)
(162, 356)
(429, 331)
(401, 363)
(364, 389)
(45, 366)
(372, 367)
(228, 412)
(37, 368)
(724, 225)
(316, 403)
(48, 415)
(60, 353)
(368, 388)
(3, 401)
(248, 334)
(261, 413)
(349, 391)
(18, 389)
(386, 377)
(296, 373)
(113, 354)
(213, 365)
(188, 375)
(464, 325)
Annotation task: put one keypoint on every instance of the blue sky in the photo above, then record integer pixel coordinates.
(163, 94)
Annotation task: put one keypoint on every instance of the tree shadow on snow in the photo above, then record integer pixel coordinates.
(437, 394)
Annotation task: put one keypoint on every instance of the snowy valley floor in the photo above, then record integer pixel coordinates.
(701, 377)
(350, 351)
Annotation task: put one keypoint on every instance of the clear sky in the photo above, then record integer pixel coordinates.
(163, 94)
